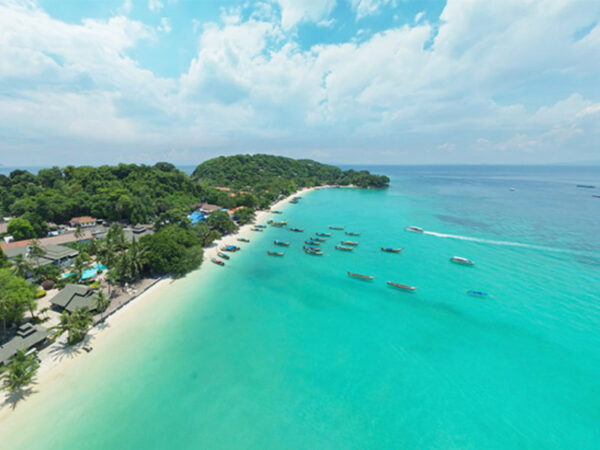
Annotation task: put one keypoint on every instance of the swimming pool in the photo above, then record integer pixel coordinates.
(87, 273)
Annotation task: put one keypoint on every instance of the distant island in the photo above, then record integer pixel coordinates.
(87, 240)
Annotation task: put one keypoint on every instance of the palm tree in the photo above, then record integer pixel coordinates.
(21, 266)
(81, 264)
(36, 251)
(75, 324)
(102, 302)
(106, 253)
(20, 371)
(78, 233)
(138, 258)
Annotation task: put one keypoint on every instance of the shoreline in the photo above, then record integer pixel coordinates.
(57, 358)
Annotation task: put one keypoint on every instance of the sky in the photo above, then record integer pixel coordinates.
(339, 81)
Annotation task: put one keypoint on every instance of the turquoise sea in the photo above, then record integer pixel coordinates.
(291, 353)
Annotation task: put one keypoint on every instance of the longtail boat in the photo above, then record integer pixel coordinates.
(283, 223)
(297, 230)
(414, 229)
(349, 243)
(319, 239)
(218, 261)
(477, 293)
(309, 242)
(345, 249)
(350, 233)
(461, 260)
(313, 252)
(402, 286)
(257, 229)
(276, 212)
(243, 240)
(223, 255)
(323, 234)
(391, 250)
(335, 228)
(261, 226)
(362, 277)
(275, 253)
(283, 244)
(230, 248)
(311, 247)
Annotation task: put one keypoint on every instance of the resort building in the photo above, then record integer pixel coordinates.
(208, 208)
(83, 221)
(65, 238)
(135, 232)
(27, 336)
(58, 255)
(73, 297)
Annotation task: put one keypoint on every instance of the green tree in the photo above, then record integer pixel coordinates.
(16, 296)
(75, 324)
(3, 260)
(173, 250)
(19, 372)
(21, 266)
(81, 264)
(36, 251)
(20, 229)
(244, 216)
(102, 302)
(220, 221)
(78, 233)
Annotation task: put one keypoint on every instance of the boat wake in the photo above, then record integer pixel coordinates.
(506, 243)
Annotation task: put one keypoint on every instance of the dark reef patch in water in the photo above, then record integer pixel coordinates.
(462, 221)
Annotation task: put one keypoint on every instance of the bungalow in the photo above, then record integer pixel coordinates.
(26, 337)
(73, 297)
(207, 208)
(223, 189)
(58, 255)
(83, 221)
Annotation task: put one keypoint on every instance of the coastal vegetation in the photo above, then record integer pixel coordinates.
(19, 372)
(16, 297)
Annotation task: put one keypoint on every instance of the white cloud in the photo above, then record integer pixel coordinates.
(165, 25)
(419, 16)
(126, 7)
(155, 5)
(365, 8)
(294, 12)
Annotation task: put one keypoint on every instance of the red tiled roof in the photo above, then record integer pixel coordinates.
(56, 240)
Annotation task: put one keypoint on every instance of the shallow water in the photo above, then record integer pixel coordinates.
(292, 353)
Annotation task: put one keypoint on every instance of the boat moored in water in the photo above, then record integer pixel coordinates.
(461, 260)
(414, 229)
(310, 242)
(360, 276)
(311, 247)
(283, 223)
(344, 249)
(318, 239)
(391, 250)
(297, 230)
(283, 244)
(323, 234)
(243, 240)
(223, 255)
(276, 211)
(257, 229)
(335, 228)
(312, 252)
(586, 186)
(218, 261)
(402, 286)
(349, 243)
(230, 248)
(350, 233)
(477, 293)
(275, 253)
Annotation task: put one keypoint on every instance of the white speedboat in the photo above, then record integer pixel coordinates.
(414, 229)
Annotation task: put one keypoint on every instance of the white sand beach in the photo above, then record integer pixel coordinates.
(58, 359)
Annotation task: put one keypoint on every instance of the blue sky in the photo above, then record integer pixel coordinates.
(342, 81)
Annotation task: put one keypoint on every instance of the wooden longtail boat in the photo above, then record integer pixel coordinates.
(461, 260)
(323, 234)
(391, 250)
(283, 244)
(309, 242)
(318, 239)
(477, 293)
(218, 261)
(223, 255)
(312, 248)
(275, 253)
(349, 243)
(297, 230)
(402, 286)
(349, 233)
(243, 240)
(261, 226)
(230, 248)
(335, 228)
(345, 249)
(257, 229)
(362, 277)
(283, 223)
(276, 212)
(313, 252)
